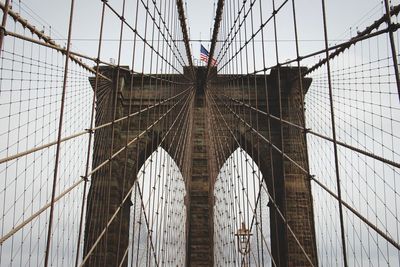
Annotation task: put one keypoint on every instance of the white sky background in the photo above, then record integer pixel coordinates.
(341, 15)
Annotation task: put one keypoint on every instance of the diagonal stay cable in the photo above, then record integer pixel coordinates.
(218, 126)
(50, 43)
(145, 41)
(182, 20)
(307, 130)
(39, 34)
(89, 131)
(95, 60)
(339, 48)
(88, 254)
(135, 139)
(217, 23)
(359, 215)
(36, 214)
(173, 156)
(270, 197)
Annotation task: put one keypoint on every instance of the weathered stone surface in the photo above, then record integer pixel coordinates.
(202, 159)
(200, 210)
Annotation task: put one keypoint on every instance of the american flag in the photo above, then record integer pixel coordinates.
(204, 56)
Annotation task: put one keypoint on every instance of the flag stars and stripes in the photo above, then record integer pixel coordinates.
(204, 56)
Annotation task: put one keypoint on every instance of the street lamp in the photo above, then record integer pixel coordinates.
(243, 236)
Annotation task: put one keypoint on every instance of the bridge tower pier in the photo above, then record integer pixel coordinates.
(200, 204)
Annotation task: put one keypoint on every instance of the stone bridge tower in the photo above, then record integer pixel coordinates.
(199, 166)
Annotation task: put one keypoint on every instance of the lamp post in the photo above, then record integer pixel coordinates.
(243, 241)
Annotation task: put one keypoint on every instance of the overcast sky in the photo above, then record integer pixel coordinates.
(342, 14)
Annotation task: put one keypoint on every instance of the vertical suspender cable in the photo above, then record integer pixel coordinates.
(90, 135)
(58, 148)
(328, 68)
